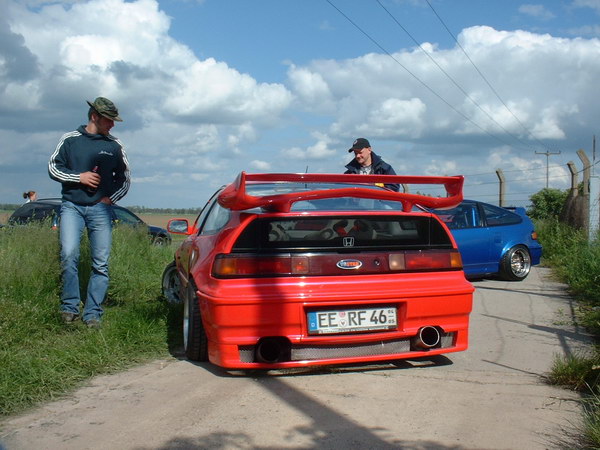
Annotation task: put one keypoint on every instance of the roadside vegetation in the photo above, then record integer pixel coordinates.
(40, 358)
(576, 262)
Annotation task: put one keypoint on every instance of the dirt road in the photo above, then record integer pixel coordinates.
(490, 397)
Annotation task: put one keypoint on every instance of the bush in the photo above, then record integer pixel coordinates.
(547, 203)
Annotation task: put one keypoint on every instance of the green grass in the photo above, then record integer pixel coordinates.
(576, 262)
(40, 358)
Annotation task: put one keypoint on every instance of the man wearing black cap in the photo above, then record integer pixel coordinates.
(92, 167)
(366, 162)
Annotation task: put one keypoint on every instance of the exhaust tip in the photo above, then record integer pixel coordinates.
(426, 338)
(273, 350)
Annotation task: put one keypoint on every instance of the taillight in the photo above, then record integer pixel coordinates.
(425, 260)
(319, 264)
(534, 235)
(238, 265)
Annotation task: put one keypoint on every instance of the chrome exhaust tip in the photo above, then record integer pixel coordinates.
(426, 338)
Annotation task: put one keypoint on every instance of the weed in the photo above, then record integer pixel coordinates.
(40, 358)
(576, 262)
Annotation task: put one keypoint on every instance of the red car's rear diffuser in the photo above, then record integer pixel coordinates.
(235, 197)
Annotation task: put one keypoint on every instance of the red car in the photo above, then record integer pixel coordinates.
(292, 270)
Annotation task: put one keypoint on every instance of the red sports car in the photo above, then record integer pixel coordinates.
(292, 270)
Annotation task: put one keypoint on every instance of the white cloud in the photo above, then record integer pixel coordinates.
(320, 150)
(374, 96)
(405, 117)
(260, 165)
(594, 4)
(182, 114)
(530, 170)
(310, 87)
(191, 123)
(536, 10)
(442, 168)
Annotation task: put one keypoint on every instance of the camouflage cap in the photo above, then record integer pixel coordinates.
(105, 108)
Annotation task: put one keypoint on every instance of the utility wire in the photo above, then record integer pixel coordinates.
(458, 86)
(415, 76)
(529, 133)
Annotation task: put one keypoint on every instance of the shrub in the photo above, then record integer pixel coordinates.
(547, 203)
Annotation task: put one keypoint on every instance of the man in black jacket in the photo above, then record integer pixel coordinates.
(366, 162)
(92, 167)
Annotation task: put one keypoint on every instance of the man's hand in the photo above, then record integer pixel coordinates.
(90, 179)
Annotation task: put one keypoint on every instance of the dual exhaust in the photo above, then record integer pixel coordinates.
(277, 349)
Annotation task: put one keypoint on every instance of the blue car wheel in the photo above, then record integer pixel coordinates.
(515, 264)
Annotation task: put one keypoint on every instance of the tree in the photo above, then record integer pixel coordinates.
(547, 203)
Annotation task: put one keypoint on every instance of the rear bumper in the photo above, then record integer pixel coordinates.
(244, 314)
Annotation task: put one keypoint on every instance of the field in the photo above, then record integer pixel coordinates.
(160, 220)
(4, 215)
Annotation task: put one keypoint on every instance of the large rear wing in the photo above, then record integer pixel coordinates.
(235, 197)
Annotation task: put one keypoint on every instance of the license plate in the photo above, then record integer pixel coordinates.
(351, 320)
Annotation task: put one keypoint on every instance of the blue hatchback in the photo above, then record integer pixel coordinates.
(493, 240)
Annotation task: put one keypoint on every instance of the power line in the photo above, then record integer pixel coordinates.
(468, 119)
(458, 86)
(529, 133)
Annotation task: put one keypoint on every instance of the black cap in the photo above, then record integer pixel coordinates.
(359, 144)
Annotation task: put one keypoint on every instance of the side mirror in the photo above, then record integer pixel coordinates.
(178, 226)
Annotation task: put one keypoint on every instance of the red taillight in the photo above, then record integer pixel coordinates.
(426, 260)
(236, 266)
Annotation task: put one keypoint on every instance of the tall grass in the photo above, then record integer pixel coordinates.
(40, 358)
(576, 261)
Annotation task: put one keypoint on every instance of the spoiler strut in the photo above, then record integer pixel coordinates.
(235, 197)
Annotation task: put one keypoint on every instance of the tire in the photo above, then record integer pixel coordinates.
(171, 285)
(195, 342)
(160, 241)
(515, 264)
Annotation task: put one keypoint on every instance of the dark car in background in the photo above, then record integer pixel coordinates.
(493, 240)
(49, 209)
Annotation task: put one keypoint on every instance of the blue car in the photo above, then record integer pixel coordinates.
(493, 240)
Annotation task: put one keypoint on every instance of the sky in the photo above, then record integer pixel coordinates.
(210, 88)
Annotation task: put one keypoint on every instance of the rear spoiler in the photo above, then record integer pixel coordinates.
(235, 197)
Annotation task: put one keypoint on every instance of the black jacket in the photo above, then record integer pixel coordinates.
(79, 151)
(380, 167)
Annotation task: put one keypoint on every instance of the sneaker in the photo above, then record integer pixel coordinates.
(93, 323)
(68, 318)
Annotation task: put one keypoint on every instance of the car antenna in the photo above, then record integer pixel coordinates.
(306, 171)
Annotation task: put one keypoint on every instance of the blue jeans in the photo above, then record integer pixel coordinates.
(73, 219)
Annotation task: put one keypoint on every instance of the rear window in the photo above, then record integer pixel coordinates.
(495, 215)
(342, 233)
(32, 212)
